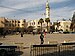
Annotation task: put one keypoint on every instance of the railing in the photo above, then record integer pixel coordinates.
(8, 50)
(62, 49)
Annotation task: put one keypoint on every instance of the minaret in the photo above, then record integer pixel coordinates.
(47, 10)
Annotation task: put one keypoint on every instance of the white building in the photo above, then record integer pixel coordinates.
(64, 25)
(35, 23)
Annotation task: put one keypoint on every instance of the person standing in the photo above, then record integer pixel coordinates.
(21, 34)
(4, 34)
(45, 34)
(41, 38)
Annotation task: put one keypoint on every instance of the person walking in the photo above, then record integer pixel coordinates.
(41, 38)
(4, 34)
(21, 34)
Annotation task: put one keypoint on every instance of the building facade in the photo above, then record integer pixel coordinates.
(4, 22)
(12, 24)
(63, 26)
(22, 23)
(36, 25)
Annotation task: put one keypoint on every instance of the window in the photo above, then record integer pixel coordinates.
(18, 24)
(67, 26)
(30, 23)
(22, 24)
(15, 24)
(12, 21)
(6, 24)
(15, 21)
(18, 21)
(24, 21)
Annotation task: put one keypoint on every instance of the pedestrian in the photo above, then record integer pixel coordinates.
(33, 33)
(41, 38)
(21, 34)
(44, 34)
(4, 34)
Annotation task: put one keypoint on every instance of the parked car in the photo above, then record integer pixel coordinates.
(72, 32)
(60, 31)
(66, 32)
(55, 32)
(17, 33)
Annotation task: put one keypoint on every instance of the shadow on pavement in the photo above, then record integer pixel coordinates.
(18, 53)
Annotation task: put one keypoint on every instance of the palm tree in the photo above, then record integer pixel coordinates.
(30, 29)
(41, 21)
(47, 20)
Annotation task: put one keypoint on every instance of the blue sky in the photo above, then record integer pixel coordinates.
(33, 9)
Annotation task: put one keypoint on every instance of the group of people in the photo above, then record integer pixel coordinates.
(41, 36)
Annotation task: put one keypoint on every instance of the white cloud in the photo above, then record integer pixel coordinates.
(25, 3)
(56, 1)
(58, 14)
(5, 10)
(29, 4)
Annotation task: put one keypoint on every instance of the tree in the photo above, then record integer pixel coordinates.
(41, 21)
(30, 29)
(52, 28)
(72, 26)
(57, 24)
(47, 20)
(64, 19)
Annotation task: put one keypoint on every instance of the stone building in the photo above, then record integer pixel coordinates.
(4, 22)
(63, 25)
(12, 24)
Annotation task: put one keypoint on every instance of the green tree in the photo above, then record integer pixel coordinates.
(72, 26)
(57, 24)
(30, 29)
(47, 20)
(41, 21)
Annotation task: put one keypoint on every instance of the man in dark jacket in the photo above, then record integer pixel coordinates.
(41, 38)
(21, 34)
(4, 34)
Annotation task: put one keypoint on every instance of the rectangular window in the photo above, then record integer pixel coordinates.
(18, 21)
(18, 24)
